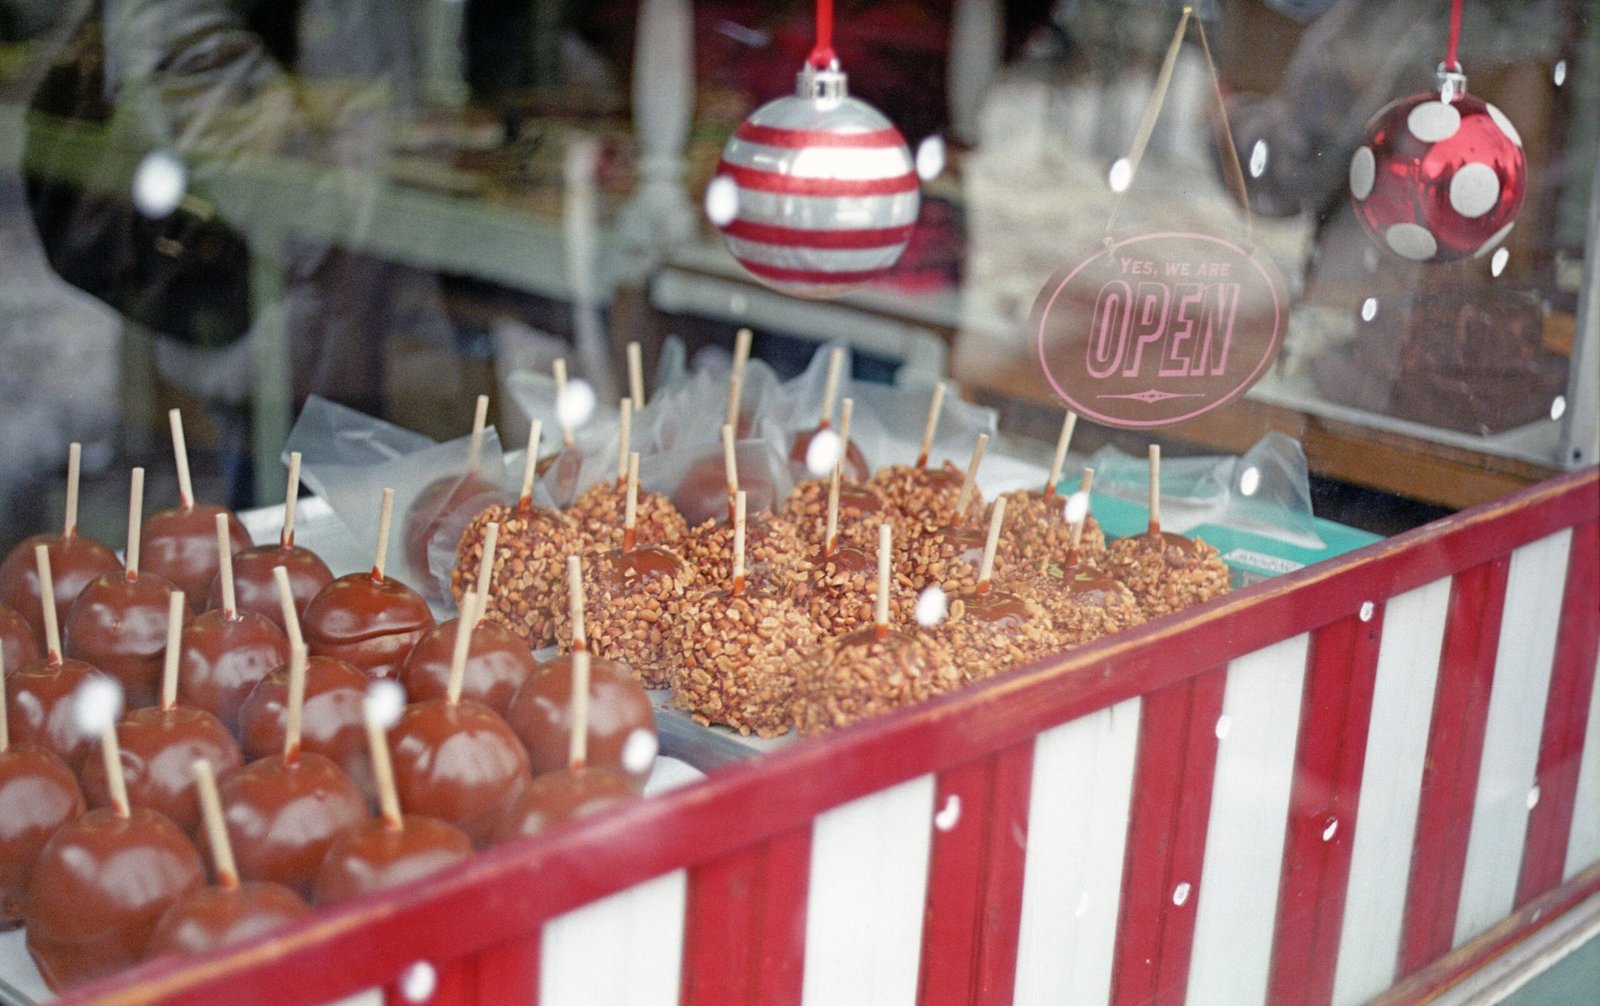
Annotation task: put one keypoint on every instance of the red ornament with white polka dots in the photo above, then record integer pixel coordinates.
(1440, 176)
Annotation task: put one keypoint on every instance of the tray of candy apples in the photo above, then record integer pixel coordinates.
(845, 596)
(291, 738)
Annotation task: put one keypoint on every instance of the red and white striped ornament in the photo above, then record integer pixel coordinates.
(816, 192)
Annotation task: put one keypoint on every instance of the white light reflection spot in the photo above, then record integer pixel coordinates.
(1367, 611)
(1331, 829)
(1250, 481)
(1258, 159)
(1121, 175)
(824, 452)
(1533, 797)
(1558, 408)
(1369, 309)
(1497, 262)
(1180, 894)
(159, 183)
(385, 701)
(722, 201)
(1224, 725)
(575, 406)
(96, 705)
(949, 815)
(932, 606)
(1077, 507)
(930, 158)
(738, 304)
(639, 751)
(1559, 74)
(418, 982)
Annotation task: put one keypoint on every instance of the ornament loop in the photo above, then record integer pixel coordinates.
(1452, 82)
(819, 84)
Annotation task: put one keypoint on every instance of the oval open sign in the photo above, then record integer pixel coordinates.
(1155, 329)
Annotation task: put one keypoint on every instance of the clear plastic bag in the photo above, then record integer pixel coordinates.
(1266, 490)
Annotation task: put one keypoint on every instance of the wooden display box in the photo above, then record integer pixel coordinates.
(1361, 779)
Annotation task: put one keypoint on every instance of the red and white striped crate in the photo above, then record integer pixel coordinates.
(1311, 791)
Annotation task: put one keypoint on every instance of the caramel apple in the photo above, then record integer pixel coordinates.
(498, 662)
(564, 795)
(1166, 572)
(180, 544)
(774, 553)
(597, 514)
(225, 652)
(451, 500)
(456, 759)
(872, 670)
(368, 620)
(330, 709)
(736, 651)
(75, 560)
(160, 744)
(284, 811)
(803, 464)
(38, 794)
(559, 472)
(229, 911)
(394, 848)
(119, 621)
(989, 630)
(621, 725)
(255, 589)
(18, 647)
(862, 509)
(39, 694)
(1039, 527)
(102, 881)
(575, 788)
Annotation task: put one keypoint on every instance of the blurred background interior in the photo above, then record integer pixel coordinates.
(229, 205)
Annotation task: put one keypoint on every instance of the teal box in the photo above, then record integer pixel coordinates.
(1252, 557)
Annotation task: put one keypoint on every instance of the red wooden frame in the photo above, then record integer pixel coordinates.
(743, 824)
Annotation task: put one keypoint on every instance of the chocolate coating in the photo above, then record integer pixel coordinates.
(330, 720)
(39, 707)
(37, 795)
(997, 608)
(369, 624)
(221, 660)
(255, 590)
(541, 715)
(120, 626)
(560, 796)
(181, 545)
(460, 763)
(283, 818)
(17, 645)
(849, 559)
(497, 664)
(159, 748)
(100, 886)
(74, 561)
(375, 857)
(856, 468)
(214, 917)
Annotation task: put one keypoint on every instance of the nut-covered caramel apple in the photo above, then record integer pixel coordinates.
(74, 559)
(103, 880)
(228, 911)
(368, 620)
(1166, 572)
